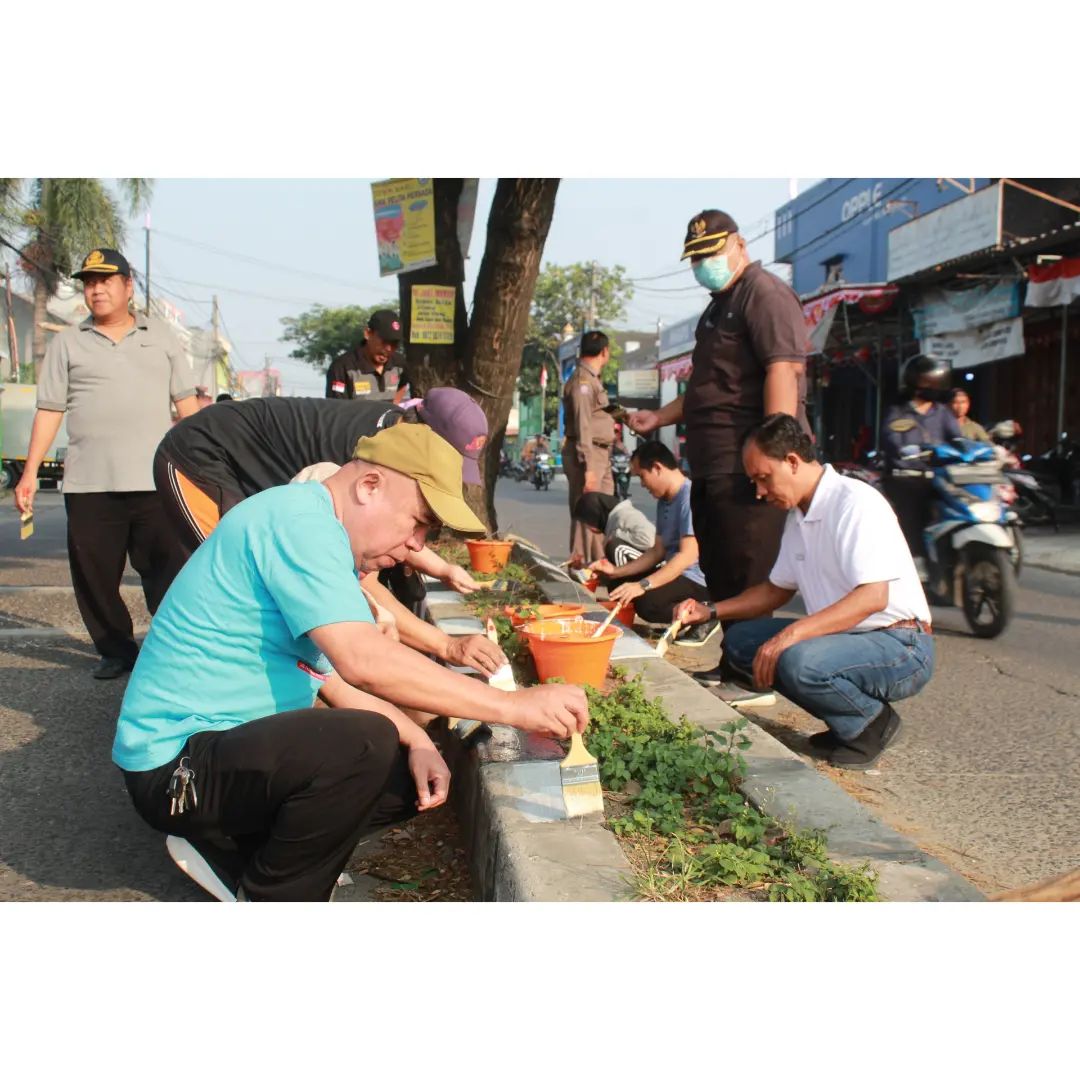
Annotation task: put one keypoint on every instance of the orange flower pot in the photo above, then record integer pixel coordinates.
(544, 612)
(566, 649)
(626, 612)
(489, 556)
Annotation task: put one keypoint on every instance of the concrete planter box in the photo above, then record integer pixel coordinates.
(507, 790)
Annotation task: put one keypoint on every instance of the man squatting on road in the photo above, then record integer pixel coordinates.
(217, 721)
(866, 639)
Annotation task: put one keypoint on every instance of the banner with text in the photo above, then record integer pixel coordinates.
(432, 321)
(404, 224)
(969, 348)
(946, 311)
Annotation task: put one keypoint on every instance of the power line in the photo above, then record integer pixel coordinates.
(253, 260)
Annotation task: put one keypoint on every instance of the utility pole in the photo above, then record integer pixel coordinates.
(147, 262)
(592, 299)
(215, 342)
(266, 391)
(13, 340)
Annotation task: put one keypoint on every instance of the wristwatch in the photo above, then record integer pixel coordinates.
(645, 583)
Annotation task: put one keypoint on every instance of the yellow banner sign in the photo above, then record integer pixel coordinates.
(432, 320)
(404, 224)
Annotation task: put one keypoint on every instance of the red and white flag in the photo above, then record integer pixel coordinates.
(1053, 284)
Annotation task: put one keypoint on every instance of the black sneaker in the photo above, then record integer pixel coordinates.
(862, 751)
(112, 667)
(725, 672)
(711, 678)
(698, 634)
(739, 697)
(217, 870)
(823, 740)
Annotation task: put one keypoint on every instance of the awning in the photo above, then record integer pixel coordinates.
(819, 309)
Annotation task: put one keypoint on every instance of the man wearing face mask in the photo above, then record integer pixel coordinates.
(921, 418)
(749, 361)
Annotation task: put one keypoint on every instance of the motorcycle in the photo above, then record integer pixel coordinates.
(506, 464)
(972, 544)
(1058, 471)
(543, 470)
(1024, 495)
(620, 471)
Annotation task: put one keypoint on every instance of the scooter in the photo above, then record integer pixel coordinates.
(543, 470)
(620, 471)
(972, 544)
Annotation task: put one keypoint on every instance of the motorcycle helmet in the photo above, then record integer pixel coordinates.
(929, 377)
(1006, 431)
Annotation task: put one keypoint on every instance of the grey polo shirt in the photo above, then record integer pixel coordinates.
(116, 395)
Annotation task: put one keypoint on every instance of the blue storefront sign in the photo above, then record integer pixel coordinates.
(839, 228)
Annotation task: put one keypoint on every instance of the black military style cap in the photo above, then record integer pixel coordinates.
(386, 324)
(104, 261)
(707, 233)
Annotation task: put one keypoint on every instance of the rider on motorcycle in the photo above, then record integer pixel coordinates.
(920, 419)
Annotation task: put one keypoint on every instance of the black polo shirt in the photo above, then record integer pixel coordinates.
(755, 323)
(352, 375)
(251, 445)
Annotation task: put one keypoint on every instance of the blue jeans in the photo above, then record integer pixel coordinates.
(843, 679)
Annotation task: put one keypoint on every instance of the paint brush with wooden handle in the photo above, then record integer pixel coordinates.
(671, 632)
(503, 679)
(580, 774)
(607, 622)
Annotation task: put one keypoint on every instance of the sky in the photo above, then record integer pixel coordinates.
(284, 245)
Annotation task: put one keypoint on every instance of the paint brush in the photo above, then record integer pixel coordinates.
(26, 525)
(671, 632)
(503, 679)
(580, 774)
(607, 622)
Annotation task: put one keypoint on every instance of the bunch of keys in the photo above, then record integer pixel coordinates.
(181, 784)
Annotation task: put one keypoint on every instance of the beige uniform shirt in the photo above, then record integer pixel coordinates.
(585, 422)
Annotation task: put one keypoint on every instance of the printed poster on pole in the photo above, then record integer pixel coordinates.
(432, 321)
(404, 224)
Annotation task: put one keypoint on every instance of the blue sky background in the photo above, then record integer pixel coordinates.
(283, 245)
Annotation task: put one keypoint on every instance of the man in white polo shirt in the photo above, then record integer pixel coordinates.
(866, 639)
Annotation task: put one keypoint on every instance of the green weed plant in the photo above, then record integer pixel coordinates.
(680, 782)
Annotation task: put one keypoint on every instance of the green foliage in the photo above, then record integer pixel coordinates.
(61, 219)
(322, 333)
(681, 782)
(562, 296)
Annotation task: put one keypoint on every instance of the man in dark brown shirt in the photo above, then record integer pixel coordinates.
(749, 362)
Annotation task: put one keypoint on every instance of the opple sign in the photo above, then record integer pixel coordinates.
(866, 198)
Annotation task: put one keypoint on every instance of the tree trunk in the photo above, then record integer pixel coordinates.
(517, 231)
(438, 365)
(41, 315)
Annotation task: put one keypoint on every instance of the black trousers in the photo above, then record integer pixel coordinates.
(657, 605)
(738, 536)
(911, 497)
(104, 529)
(293, 792)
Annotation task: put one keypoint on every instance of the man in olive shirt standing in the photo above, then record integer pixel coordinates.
(114, 375)
(590, 431)
(367, 371)
(749, 362)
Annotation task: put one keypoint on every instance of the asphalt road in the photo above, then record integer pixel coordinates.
(987, 772)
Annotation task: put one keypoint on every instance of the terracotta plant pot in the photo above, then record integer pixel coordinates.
(543, 612)
(489, 556)
(566, 649)
(626, 612)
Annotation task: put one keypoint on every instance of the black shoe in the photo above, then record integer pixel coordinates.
(112, 667)
(862, 751)
(698, 634)
(216, 869)
(711, 678)
(823, 740)
(740, 698)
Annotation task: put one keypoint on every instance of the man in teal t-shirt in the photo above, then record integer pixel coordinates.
(262, 794)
